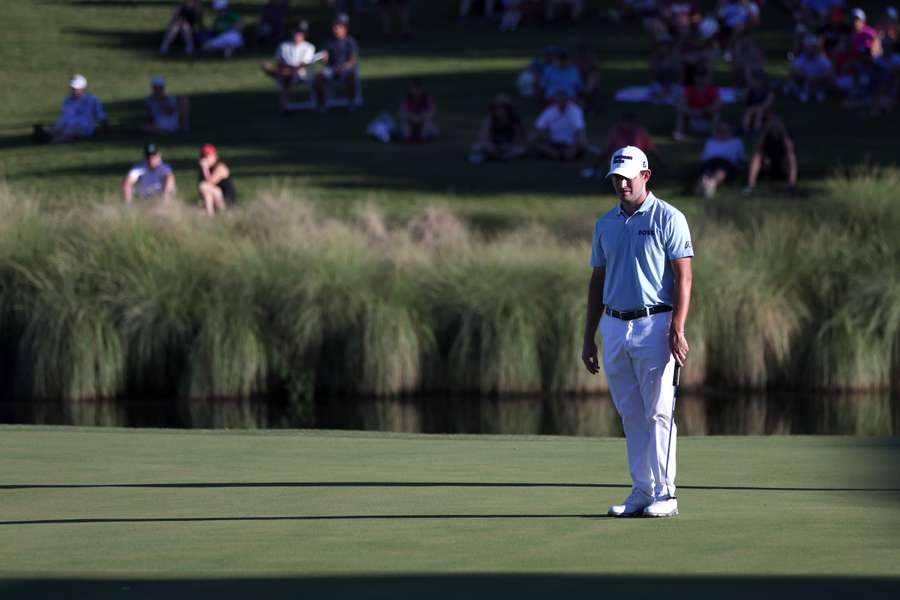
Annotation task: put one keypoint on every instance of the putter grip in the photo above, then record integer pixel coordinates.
(676, 378)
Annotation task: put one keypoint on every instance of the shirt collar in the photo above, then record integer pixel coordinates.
(646, 205)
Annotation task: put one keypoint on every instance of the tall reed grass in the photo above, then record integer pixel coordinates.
(275, 299)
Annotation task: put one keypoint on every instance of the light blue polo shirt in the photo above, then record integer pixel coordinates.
(636, 250)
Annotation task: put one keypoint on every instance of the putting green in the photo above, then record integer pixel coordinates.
(156, 505)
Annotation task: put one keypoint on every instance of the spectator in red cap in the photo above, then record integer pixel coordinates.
(215, 185)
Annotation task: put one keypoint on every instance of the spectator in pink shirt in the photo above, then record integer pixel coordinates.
(863, 35)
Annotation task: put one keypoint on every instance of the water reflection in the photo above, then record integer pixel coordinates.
(719, 413)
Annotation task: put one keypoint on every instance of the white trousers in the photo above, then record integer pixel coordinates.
(639, 367)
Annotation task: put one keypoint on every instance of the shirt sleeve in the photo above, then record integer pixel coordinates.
(99, 113)
(678, 238)
(577, 117)
(598, 258)
(543, 119)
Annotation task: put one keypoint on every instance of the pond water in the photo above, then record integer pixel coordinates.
(718, 413)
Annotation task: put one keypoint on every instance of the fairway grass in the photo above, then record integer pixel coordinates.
(152, 506)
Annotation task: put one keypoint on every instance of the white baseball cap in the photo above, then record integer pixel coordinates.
(78, 82)
(857, 13)
(891, 12)
(628, 162)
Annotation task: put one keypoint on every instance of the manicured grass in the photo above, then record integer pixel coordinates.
(150, 505)
(234, 106)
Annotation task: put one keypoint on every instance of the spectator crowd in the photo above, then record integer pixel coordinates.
(838, 55)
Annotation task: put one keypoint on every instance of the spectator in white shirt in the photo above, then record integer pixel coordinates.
(150, 178)
(166, 113)
(82, 114)
(560, 131)
(294, 57)
(723, 155)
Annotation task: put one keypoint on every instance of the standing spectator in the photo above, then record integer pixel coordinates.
(722, 157)
(552, 8)
(341, 57)
(701, 101)
(403, 11)
(166, 113)
(293, 58)
(627, 132)
(559, 130)
(811, 72)
(773, 152)
(561, 77)
(757, 102)
(465, 7)
(150, 178)
(225, 34)
(417, 114)
(271, 22)
(863, 35)
(186, 21)
(502, 134)
(214, 181)
(81, 115)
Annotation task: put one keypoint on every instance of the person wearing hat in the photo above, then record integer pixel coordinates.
(150, 178)
(341, 58)
(81, 115)
(502, 134)
(864, 35)
(214, 181)
(166, 113)
(225, 34)
(293, 58)
(639, 296)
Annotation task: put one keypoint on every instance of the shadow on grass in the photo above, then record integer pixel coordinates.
(419, 484)
(438, 586)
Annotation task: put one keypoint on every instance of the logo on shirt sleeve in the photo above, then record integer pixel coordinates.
(687, 245)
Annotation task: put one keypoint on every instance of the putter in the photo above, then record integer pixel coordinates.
(676, 379)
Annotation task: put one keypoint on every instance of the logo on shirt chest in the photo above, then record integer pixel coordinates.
(645, 232)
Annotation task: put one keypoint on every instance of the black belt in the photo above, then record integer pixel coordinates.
(629, 315)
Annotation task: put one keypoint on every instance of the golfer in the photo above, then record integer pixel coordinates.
(641, 287)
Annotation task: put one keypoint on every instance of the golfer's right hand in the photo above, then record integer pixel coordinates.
(589, 356)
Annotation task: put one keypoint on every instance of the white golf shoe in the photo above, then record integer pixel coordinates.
(634, 505)
(662, 507)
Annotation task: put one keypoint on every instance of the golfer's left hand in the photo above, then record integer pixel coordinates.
(679, 346)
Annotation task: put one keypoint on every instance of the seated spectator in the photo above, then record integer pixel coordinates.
(665, 73)
(811, 72)
(627, 132)
(272, 20)
(214, 181)
(512, 14)
(890, 63)
(294, 58)
(186, 21)
(697, 50)
(81, 116)
(887, 27)
(723, 155)
(225, 34)
(758, 100)
(553, 7)
(150, 178)
(561, 77)
(815, 14)
(559, 131)
(700, 103)
(679, 16)
(341, 58)
(417, 114)
(773, 153)
(502, 134)
(166, 113)
(868, 89)
(402, 9)
(736, 18)
(529, 80)
(589, 71)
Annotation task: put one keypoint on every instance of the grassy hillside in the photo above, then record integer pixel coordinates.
(114, 43)
(305, 508)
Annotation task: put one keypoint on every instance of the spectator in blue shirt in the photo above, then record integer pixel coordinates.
(341, 59)
(561, 77)
(150, 178)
